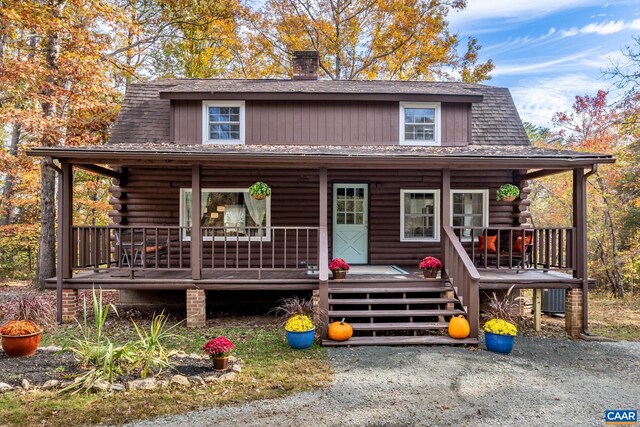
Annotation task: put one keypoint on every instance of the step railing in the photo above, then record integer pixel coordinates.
(545, 248)
(464, 277)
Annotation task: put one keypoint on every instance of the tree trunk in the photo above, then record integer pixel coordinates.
(9, 182)
(614, 266)
(47, 248)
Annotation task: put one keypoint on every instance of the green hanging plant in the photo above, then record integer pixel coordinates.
(259, 190)
(507, 193)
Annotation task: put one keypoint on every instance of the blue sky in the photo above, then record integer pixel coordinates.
(548, 51)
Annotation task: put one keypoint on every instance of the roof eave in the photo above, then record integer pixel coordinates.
(322, 96)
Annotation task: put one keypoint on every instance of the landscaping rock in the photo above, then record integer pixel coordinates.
(180, 380)
(163, 383)
(101, 385)
(237, 368)
(145, 384)
(50, 384)
(227, 377)
(211, 379)
(26, 385)
(5, 387)
(117, 387)
(197, 380)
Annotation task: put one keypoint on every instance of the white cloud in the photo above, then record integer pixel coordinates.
(539, 99)
(515, 10)
(521, 67)
(603, 28)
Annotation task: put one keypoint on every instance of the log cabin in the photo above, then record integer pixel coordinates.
(379, 173)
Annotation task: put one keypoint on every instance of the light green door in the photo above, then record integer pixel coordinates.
(350, 222)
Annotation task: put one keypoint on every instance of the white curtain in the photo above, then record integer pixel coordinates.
(234, 216)
(257, 208)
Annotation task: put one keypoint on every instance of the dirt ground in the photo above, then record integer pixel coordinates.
(544, 382)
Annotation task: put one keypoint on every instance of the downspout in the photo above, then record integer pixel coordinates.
(585, 280)
(59, 244)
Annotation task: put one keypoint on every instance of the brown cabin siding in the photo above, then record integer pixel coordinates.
(320, 122)
(151, 197)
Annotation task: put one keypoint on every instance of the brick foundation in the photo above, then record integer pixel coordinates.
(196, 308)
(69, 305)
(573, 312)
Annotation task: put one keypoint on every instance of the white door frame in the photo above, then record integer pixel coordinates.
(355, 233)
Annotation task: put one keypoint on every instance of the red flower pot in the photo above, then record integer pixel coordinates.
(21, 345)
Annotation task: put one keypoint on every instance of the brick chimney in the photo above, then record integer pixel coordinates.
(305, 64)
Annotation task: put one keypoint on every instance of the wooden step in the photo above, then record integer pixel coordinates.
(356, 301)
(339, 314)
(369, 290)
(399, 326)
(419, 340)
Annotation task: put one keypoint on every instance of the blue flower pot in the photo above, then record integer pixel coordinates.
(301, 340)
(499, 343)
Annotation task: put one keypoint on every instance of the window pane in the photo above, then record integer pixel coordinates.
(419, 132)
(419, 115)
(419, 219)
(468, 210)
(224, 114)
(224, 131)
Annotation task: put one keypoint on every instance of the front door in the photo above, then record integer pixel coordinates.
(350, 222)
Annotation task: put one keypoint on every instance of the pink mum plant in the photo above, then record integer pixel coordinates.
(338, 264)
(218, 347)
(430, 263)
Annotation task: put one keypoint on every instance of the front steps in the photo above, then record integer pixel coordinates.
(412, 312)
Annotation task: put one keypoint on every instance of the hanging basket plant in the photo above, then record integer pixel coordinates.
(259, 190)
(507, 193)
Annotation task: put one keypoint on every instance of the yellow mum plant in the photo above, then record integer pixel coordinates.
(299, 323)
(500, 327)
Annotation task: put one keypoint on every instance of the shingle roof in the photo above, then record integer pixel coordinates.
(319, 86)
(144, 117)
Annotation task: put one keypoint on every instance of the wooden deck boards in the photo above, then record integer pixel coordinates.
(399, 340)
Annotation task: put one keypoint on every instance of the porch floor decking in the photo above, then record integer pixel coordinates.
(295, 279)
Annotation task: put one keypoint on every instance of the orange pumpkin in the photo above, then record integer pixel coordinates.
(459, 327)
(340, 331)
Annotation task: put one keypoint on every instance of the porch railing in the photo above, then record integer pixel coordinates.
(546, 248)
(260, 248)
(169, 248)
(96, 247)
(463, 276)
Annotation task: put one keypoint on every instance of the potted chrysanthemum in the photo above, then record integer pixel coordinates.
(500, 329)
(299, 327)
(219, 350)
(339, 268)
(29, 313)
(430, 267)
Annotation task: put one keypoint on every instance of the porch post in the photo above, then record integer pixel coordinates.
(445, 207)
(67, 299)
(196, 235)
(323, 253)
(577, 299)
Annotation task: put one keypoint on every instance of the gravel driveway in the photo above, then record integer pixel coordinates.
(544, 382)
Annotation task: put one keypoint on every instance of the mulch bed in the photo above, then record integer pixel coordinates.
(56, 365)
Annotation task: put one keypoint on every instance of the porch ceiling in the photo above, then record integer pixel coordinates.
(336, 157)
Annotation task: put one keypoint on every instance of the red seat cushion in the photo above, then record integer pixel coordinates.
(491, 243)
(152, 249)
(517, 246)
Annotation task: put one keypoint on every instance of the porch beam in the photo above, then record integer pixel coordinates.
(323, 251)
(66, 219)
(196, 234)
(103, 171)
(541, 173)
(580, 223)
(445, 206)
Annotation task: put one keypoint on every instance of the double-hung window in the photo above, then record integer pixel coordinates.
(419, 215)
(227, 213)
(469, 208)
(223, 122)
(419, 123)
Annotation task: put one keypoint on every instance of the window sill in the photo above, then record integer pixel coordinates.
(421, 143)
(223, 142)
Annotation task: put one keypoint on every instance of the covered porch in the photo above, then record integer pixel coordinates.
(295, 257)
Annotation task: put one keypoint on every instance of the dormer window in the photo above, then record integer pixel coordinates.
(419, 123)
(223, 122)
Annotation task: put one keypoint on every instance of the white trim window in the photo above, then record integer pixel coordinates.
(420, 123)
(469, 208)
(419, 215)
(223, 122)
(228, 213)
